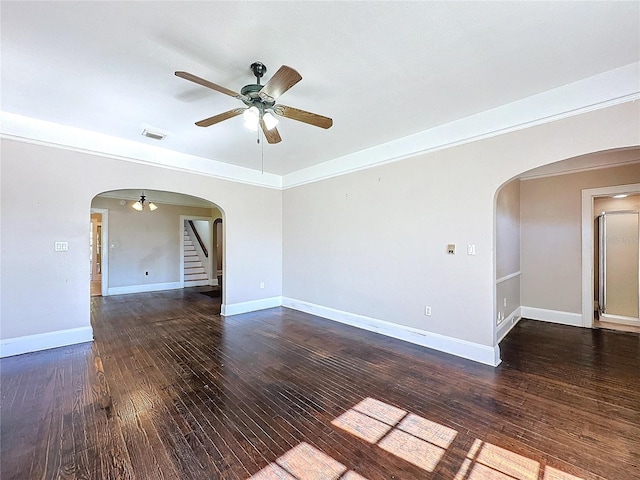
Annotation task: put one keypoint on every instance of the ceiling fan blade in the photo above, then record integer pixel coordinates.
(303, 116)
(283, 80)
(207, 122)
(208, 84)
(272, 135)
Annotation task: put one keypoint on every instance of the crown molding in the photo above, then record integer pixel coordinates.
(600, 91)
(607, 89)
(31, 130)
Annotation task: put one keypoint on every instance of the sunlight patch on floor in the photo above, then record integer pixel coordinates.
(417, 440)
(304, 462)
(412, 438)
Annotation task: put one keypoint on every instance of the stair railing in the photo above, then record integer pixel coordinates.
(204, 249)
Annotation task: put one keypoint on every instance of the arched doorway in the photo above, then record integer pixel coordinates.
(143, 240)
(544, 221)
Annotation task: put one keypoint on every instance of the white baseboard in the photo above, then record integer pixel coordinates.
(250, 306)
(151, 287)
(507, 324)
(213, 282)
(197, 283)
(44, 341)
(605, 317)
(552, 316)
(461, 348)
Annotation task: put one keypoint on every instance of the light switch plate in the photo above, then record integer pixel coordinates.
(61, 246)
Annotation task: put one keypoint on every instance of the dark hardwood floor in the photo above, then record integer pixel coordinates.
(171, 390)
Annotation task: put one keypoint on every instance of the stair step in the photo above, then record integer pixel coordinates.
(188, 243)
(195, 276)
(195, 271)
(190, 253)
(189, 247)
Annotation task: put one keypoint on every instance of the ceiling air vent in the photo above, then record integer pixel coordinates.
(156, 135)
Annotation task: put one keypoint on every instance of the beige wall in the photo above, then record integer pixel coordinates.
(46, 195)
(551, 213)
(146, 241)
(373, 242)
(508, 249)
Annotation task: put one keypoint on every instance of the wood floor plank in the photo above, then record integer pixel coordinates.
(172, 390)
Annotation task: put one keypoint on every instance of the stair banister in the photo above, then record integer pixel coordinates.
(204, 249)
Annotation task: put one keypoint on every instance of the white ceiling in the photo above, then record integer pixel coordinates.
(381, 70)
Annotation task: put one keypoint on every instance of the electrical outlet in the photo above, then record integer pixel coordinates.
(471, 249)
(261, 284)
(427, 311)
(504, 302)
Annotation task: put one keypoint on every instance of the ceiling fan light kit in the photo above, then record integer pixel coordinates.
(260, 101)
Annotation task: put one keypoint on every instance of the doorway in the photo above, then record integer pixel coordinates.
(611, 257)
(219, 239)
(98, 234)
(95, 254)
(618, 269)
(197, 255)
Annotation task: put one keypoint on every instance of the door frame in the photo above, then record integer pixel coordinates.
(104, 264)
(588, 234)
(184, 218)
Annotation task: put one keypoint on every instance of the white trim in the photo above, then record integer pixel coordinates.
(552, 316)
(454, 346)
(45, 341)
(600, 91)
(197, 283)
(40, 132)
(250, 306)
(150, 287)
(606, 317)
(593, 93)
(588, 243)
(507, 277)
(507, 324)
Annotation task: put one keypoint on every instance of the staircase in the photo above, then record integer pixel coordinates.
(193, 269)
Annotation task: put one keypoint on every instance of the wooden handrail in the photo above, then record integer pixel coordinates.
(204, 249)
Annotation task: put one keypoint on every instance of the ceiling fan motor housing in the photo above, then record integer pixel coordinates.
(258, 69)
(253, 99)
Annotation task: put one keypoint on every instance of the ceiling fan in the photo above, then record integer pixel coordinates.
(260, 101)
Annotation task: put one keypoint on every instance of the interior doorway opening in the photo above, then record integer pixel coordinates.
(545, 238)
(95, 254)
(616, 261)
(144, 249)
(98, 254)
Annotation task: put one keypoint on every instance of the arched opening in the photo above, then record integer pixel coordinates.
(545, 237)
(153, 240)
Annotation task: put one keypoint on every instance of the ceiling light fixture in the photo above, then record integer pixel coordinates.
(251, 118)
(621, 195)
(269, 121)
(140, 204)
